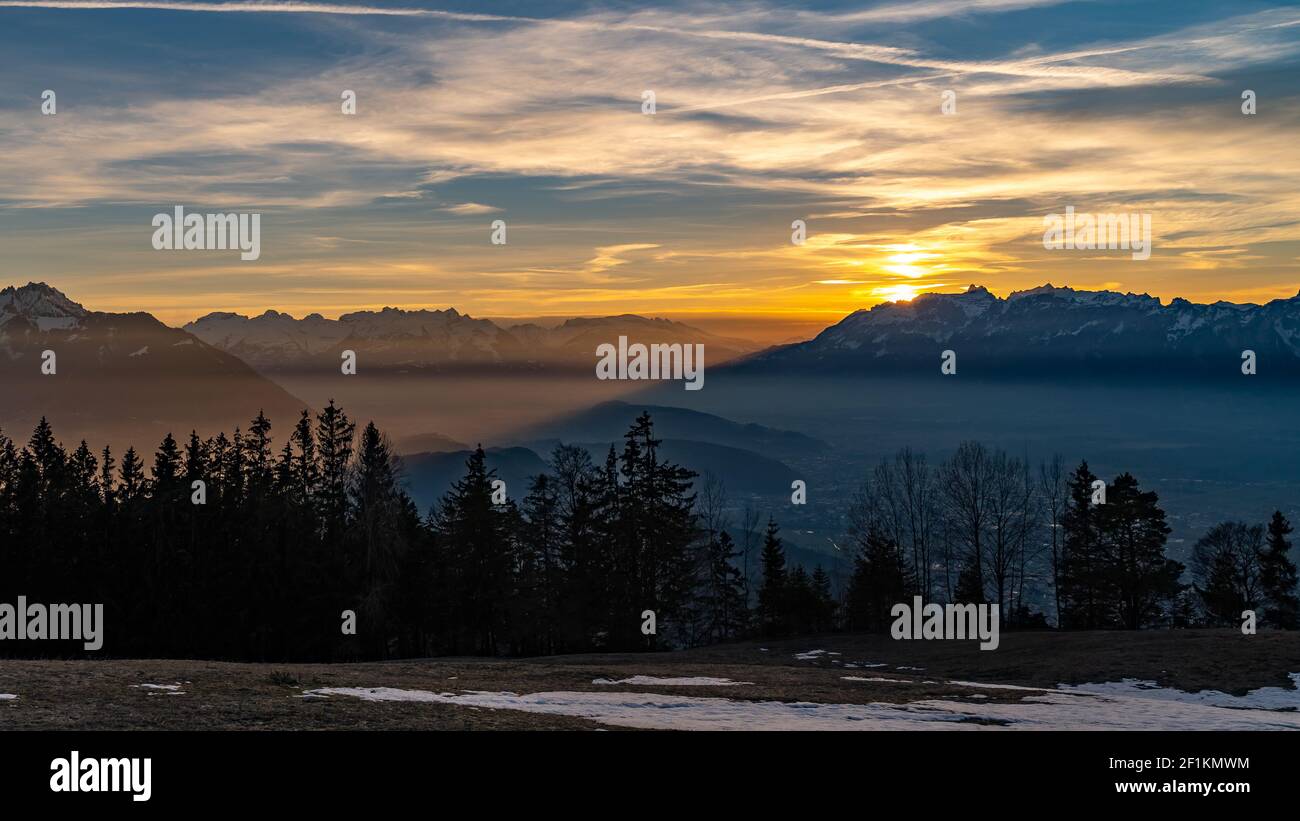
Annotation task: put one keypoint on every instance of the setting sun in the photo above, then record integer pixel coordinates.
(897, 293)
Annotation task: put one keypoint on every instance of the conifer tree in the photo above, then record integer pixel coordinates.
(824, 600)
(1144, 582)
(1278, 576)
(131, 479)
(655, 527)
(383, 533)
(335, 434)
(475, 536)
(1083, 576)
(583, 500)
(801, 602)
(724, 591)
(880, 580)
(773, 595)
(539, 568)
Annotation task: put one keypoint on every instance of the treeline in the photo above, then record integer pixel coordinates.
(283, 543)
(225, 547)
(986, 527)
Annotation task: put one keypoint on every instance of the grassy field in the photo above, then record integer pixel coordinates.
(848, 670)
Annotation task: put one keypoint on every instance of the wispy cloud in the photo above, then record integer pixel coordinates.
(765, 114)
(255, 8)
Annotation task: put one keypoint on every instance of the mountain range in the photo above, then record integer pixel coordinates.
(441, 340)
(1052, 330)
(120, 378)
(608, 421)
(129, 377)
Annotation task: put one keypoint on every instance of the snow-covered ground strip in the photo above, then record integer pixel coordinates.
(170, 689)
(813, 654)
(672, 712)
(1116, 705)
(688, 681)
(1003, 686)
(1265, 698)
(888, 680)
(1065, 710)
(7, 696)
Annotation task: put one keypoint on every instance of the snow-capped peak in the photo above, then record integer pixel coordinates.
(44, 306)
(36, 299)
(1053, 324)
(1082, 297)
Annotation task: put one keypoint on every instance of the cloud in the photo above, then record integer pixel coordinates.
(611, 256)
(764, 115)
(254, 8)
(469, 208)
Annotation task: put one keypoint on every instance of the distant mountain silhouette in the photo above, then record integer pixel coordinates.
(1051, 330)
(741, 470)
(427, 476)
(441, 340)
(427, 443)
(607, 421)
(121, 378)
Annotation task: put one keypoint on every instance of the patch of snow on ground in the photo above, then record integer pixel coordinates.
(691, 681)
(1116, 705)
(810, 655)
(1003, 686)
(1265, 698)
(658, 711)
(171, 689)
(1082, 711)
(7, 696)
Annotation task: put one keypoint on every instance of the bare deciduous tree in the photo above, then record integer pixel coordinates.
(1051, 488)
(1012, 517)
(965, 481)
(897, 501)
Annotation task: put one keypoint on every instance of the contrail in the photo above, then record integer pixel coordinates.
(264, 8)
(813, 92)
(888, 55)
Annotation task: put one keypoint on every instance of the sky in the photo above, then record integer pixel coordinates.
(532, 113)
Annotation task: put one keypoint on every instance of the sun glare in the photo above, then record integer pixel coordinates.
(897, 293)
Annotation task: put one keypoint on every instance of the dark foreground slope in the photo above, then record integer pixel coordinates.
(901, 681)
